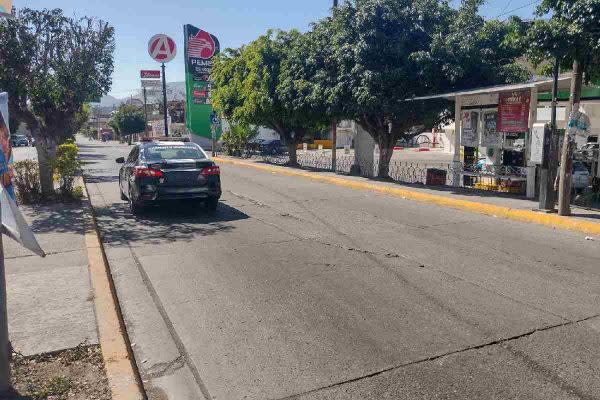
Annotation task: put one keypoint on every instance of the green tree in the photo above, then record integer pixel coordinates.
(571, 33)
(236, 138)
(129, 119)
(112, 122)
(51, 65)
(82, 118)
(373, 56)
(247, 89)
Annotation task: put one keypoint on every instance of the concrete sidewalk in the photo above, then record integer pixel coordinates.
(50, 300)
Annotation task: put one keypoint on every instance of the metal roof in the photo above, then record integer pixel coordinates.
(564, 82)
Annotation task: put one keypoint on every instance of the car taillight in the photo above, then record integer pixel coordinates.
(145, 172)
(214, 170)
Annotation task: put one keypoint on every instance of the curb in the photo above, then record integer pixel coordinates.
(122, 372)
(550, 220)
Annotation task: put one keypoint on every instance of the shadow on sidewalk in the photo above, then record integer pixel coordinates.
(16, 396)
(166, 224)
(59, 217)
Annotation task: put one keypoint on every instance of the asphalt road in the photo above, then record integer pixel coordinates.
(296, 289)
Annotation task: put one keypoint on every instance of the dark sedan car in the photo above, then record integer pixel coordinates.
(268, 146)
(19, 140)
(163, 171)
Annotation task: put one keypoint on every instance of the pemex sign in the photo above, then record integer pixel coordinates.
(200, 48)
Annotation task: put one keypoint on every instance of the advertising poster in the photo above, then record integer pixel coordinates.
(200, 48)
(470, 134)
(490, 136)
(6, 161)
(513, 111)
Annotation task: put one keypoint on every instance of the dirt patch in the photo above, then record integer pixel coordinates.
(75, 374)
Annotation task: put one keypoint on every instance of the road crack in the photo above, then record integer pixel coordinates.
(504, 341)
(161, 369)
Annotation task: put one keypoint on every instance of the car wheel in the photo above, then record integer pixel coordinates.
(123, 197)
(135, 207)
(212, 203)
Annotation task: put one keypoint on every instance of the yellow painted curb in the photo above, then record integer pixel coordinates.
(122, 375)
(551, 220)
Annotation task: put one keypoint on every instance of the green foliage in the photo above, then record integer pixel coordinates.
(129, 119)
(56, 387)
(81, 118)
(248, 90)
(27, 181)
(66, 166)
(236, 138)
(375, 55)
(367, 62)
(51, 65)
(114, 125)
(572, 30)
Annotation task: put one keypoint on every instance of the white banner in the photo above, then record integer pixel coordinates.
(470, 133)
(15, 226)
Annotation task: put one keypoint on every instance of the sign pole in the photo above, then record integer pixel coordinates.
(214, 124)
(145, 111)
(214, 139)
(166, 106)
(5, 347)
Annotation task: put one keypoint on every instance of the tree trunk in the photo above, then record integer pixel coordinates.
(566, 159)
(291, 145)
(386, 150)
(46, 151)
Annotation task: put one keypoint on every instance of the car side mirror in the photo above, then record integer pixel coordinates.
(120, 160)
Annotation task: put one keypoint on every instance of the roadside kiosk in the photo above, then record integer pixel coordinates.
(491, 139)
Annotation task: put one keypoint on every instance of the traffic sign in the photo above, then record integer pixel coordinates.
(214, 118)
(151, 84)
(162, 48)
(150, 74)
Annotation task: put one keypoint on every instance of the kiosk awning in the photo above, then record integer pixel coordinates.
(564, 82)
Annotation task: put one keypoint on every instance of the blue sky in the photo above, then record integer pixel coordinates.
(234, 22)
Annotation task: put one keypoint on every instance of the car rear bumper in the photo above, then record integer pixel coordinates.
(184, 193)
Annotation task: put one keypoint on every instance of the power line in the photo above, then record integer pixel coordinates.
(508, 4)
(518, 8)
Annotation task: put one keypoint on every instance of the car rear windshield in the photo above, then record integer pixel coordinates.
(166, 152)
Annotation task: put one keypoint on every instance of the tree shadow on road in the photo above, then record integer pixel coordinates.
(166, 224)
(92, 156)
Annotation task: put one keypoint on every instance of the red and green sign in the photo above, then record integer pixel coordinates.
(513, 111)
(200, 48)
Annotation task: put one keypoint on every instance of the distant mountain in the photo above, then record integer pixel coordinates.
(109, 101)
(175, 92)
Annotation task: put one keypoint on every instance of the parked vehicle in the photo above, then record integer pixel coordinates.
(162, 171)
(19, 140)
(581, 176)
(271, 146)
